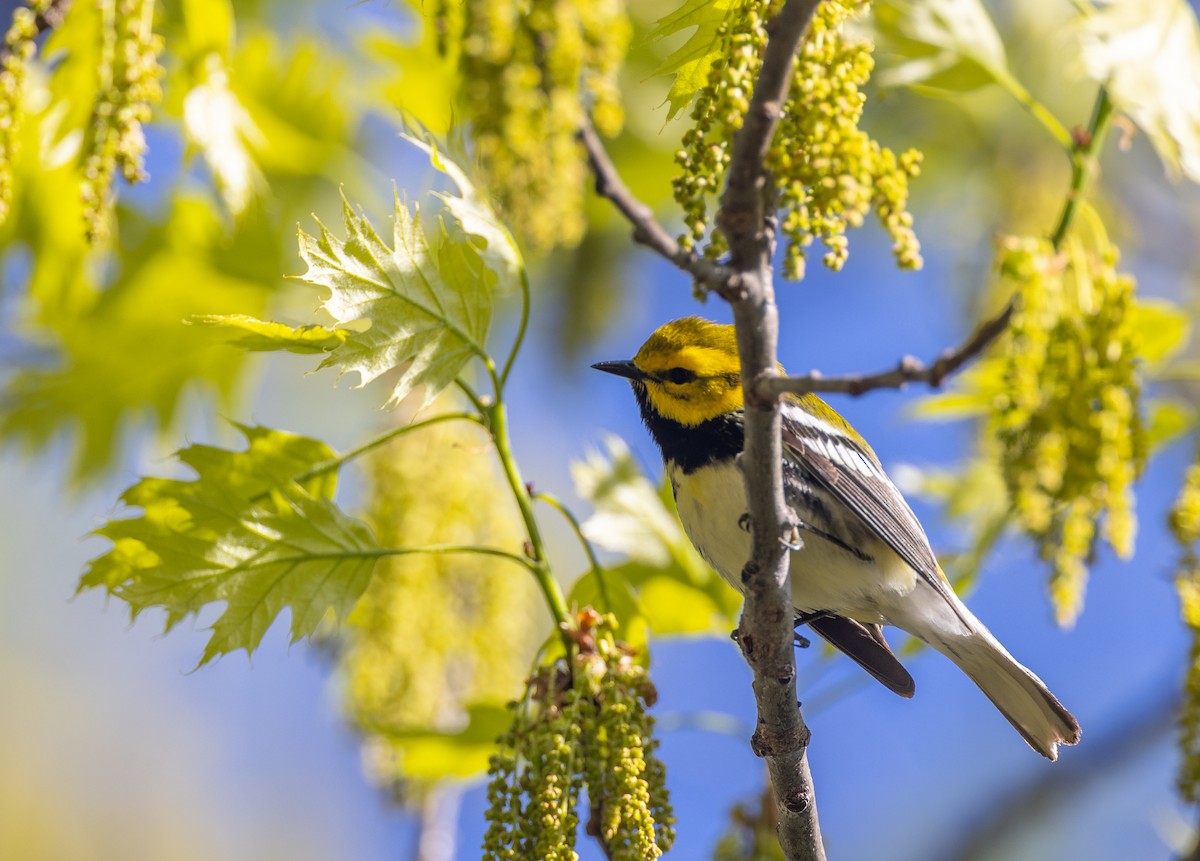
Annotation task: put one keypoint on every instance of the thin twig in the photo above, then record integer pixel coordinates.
(746, 217)
(646, 229)
(907, 370)
(47, 20)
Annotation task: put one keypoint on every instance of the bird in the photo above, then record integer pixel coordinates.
(864, 561)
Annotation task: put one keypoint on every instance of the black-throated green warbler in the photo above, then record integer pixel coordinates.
(864, 562)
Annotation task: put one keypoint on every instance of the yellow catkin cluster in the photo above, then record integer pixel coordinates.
(583, 730)
(436, 633)
(16, 53)
(529, 73)
(129, 86)
(1188, 584)
(1067, 418)
(830, 174)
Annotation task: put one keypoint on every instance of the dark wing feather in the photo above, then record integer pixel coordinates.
(853, 475)
(865, 644)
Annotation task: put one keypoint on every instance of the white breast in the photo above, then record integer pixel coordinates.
(712, 499)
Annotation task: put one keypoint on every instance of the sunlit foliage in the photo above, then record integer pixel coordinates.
(830, 173)
(435, 638)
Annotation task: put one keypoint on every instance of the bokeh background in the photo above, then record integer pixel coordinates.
(111, 747)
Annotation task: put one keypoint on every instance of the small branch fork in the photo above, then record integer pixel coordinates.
(907, 370)
(50, 19)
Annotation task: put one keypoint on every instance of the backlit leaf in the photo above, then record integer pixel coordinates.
(243, 533)
(261, 335)
(676, 592)
(948, 45)
(691, 62)
(1148, 54)
(423, 305)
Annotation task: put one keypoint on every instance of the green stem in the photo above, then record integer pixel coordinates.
(471, 395)
(522, 328)
(1039, 111)
(497, 422)
(597, 569)
(1083, 156)
(341, 460)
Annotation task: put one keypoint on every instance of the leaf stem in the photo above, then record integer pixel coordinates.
(522, 328)
(496, 416)
(597, 569)
(341, 460)
(1084, 148)
(1039, 111)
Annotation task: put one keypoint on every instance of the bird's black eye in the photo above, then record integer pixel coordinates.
(679, 375)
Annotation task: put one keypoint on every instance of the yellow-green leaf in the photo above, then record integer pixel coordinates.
(244, 533)
(1148, 54)
(938, 45)
(263, 335)
(690, 63)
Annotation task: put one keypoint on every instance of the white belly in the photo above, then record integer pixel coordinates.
(825, 576)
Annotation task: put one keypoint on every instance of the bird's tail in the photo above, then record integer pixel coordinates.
(1019, 695)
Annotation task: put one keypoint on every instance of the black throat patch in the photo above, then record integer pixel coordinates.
(692, 447)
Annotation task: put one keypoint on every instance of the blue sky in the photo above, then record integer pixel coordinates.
(105, 726)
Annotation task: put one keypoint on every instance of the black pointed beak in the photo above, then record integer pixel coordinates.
(622, 369)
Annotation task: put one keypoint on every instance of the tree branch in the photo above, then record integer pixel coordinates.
(646, 229)
(907, 370)
(746, 217)
(47, 20)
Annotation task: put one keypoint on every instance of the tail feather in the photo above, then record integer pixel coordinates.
(865, 644)
(953, 630)
(1019, 695)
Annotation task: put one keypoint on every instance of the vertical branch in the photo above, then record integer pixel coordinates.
(746, 217)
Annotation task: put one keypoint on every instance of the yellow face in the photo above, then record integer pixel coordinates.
(691, 370)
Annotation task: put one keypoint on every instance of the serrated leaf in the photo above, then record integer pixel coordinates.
(691, 62)
(938, 45)
(495, 245)
(630, 517)
(1148, 54)
(426, 301)
(243, 533)
(633, 518)
(263, 335)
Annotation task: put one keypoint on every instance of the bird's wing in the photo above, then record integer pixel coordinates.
(865, 644)
(853, 475)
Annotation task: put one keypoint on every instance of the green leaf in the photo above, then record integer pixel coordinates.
(426, 756)
(690, 63)
(491, 239)
(675, 590)
(243, 533)
(1168, 419)
(124, 356)
(1148, 54)
(216, 122)
(263, 335)
(938, 45)
(424, 304)
(1162, 328)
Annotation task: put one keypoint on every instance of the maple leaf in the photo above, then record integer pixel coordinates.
(256, 530)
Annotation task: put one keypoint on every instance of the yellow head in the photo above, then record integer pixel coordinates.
(689, 371)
